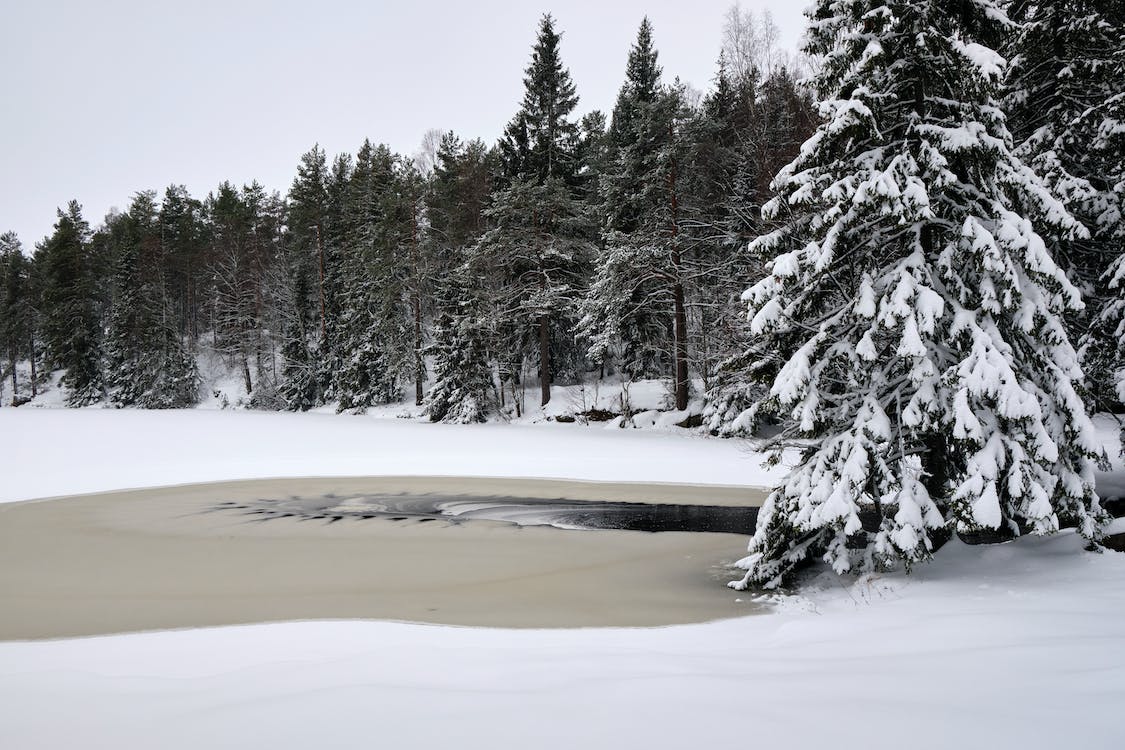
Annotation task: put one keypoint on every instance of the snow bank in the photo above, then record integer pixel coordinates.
(50, 452)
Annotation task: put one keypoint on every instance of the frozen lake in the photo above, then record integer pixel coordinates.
(497, 552)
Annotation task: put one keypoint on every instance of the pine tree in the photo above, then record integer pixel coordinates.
(910, 329)
(541, 233)
(70, 320)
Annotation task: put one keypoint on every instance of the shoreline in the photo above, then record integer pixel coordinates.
(163, 558)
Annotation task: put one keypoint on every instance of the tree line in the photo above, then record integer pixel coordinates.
(574, 245)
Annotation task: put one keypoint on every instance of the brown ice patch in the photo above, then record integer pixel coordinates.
(157, 559)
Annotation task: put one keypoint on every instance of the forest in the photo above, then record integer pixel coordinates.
(900, 252)
(454, 276)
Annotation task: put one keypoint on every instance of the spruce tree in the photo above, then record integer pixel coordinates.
(186, 266)
(372, 338)
(337, 240)
(16, 308)
(593, 154)
(462, 389)
(910, 330)
(1066, 108)
(303, 288)
(773, 118)
(146, 362)
(540, 240)
(1103, 344)
(638, 295)
(719, 205)
(71, 328)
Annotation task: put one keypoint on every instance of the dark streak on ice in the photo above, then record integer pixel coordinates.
(456, 509)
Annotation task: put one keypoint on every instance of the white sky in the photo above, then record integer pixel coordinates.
(103, 99)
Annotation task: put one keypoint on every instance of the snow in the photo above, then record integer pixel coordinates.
(1031, 656)
(51, 452)
(1015, 645)
(987, 61)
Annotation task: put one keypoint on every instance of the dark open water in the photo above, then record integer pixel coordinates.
(561, 513)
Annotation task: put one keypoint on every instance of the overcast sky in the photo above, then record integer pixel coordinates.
(103, 99)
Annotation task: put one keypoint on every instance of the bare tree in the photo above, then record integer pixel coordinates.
(425, 158)
(750, 42)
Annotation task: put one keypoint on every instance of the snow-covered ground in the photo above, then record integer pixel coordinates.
(1030, 654)
(648, 403)
(50, 452)
(1017, 645)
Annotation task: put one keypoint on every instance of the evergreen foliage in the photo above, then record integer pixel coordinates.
(17, 314)
(936, 291)
(305, 283)
(186, 261)
(70, 322)
(1066, 104)
(462, 389)
(372, 336)
(910, 327)
(539, 246)
(637, 297)
(146, 363)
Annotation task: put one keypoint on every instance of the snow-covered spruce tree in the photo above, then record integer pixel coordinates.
(70, 323)
(186, 271)
(146, 363)
(302, 287)
(337, 240)
(1103, 346)
(1066, 104)
(372, 336)
(17, 311)
(298, 387)
(774, 117)
(636, 303)
(463, 385)
(538, 247)
(910, 328)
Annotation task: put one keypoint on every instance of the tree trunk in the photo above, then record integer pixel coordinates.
(323, 317)
(31, 356)
(680, 348)
(15, 384)
(416, 304)
(544, 361)
(679, 328)
(419, 364)
(246, 374)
